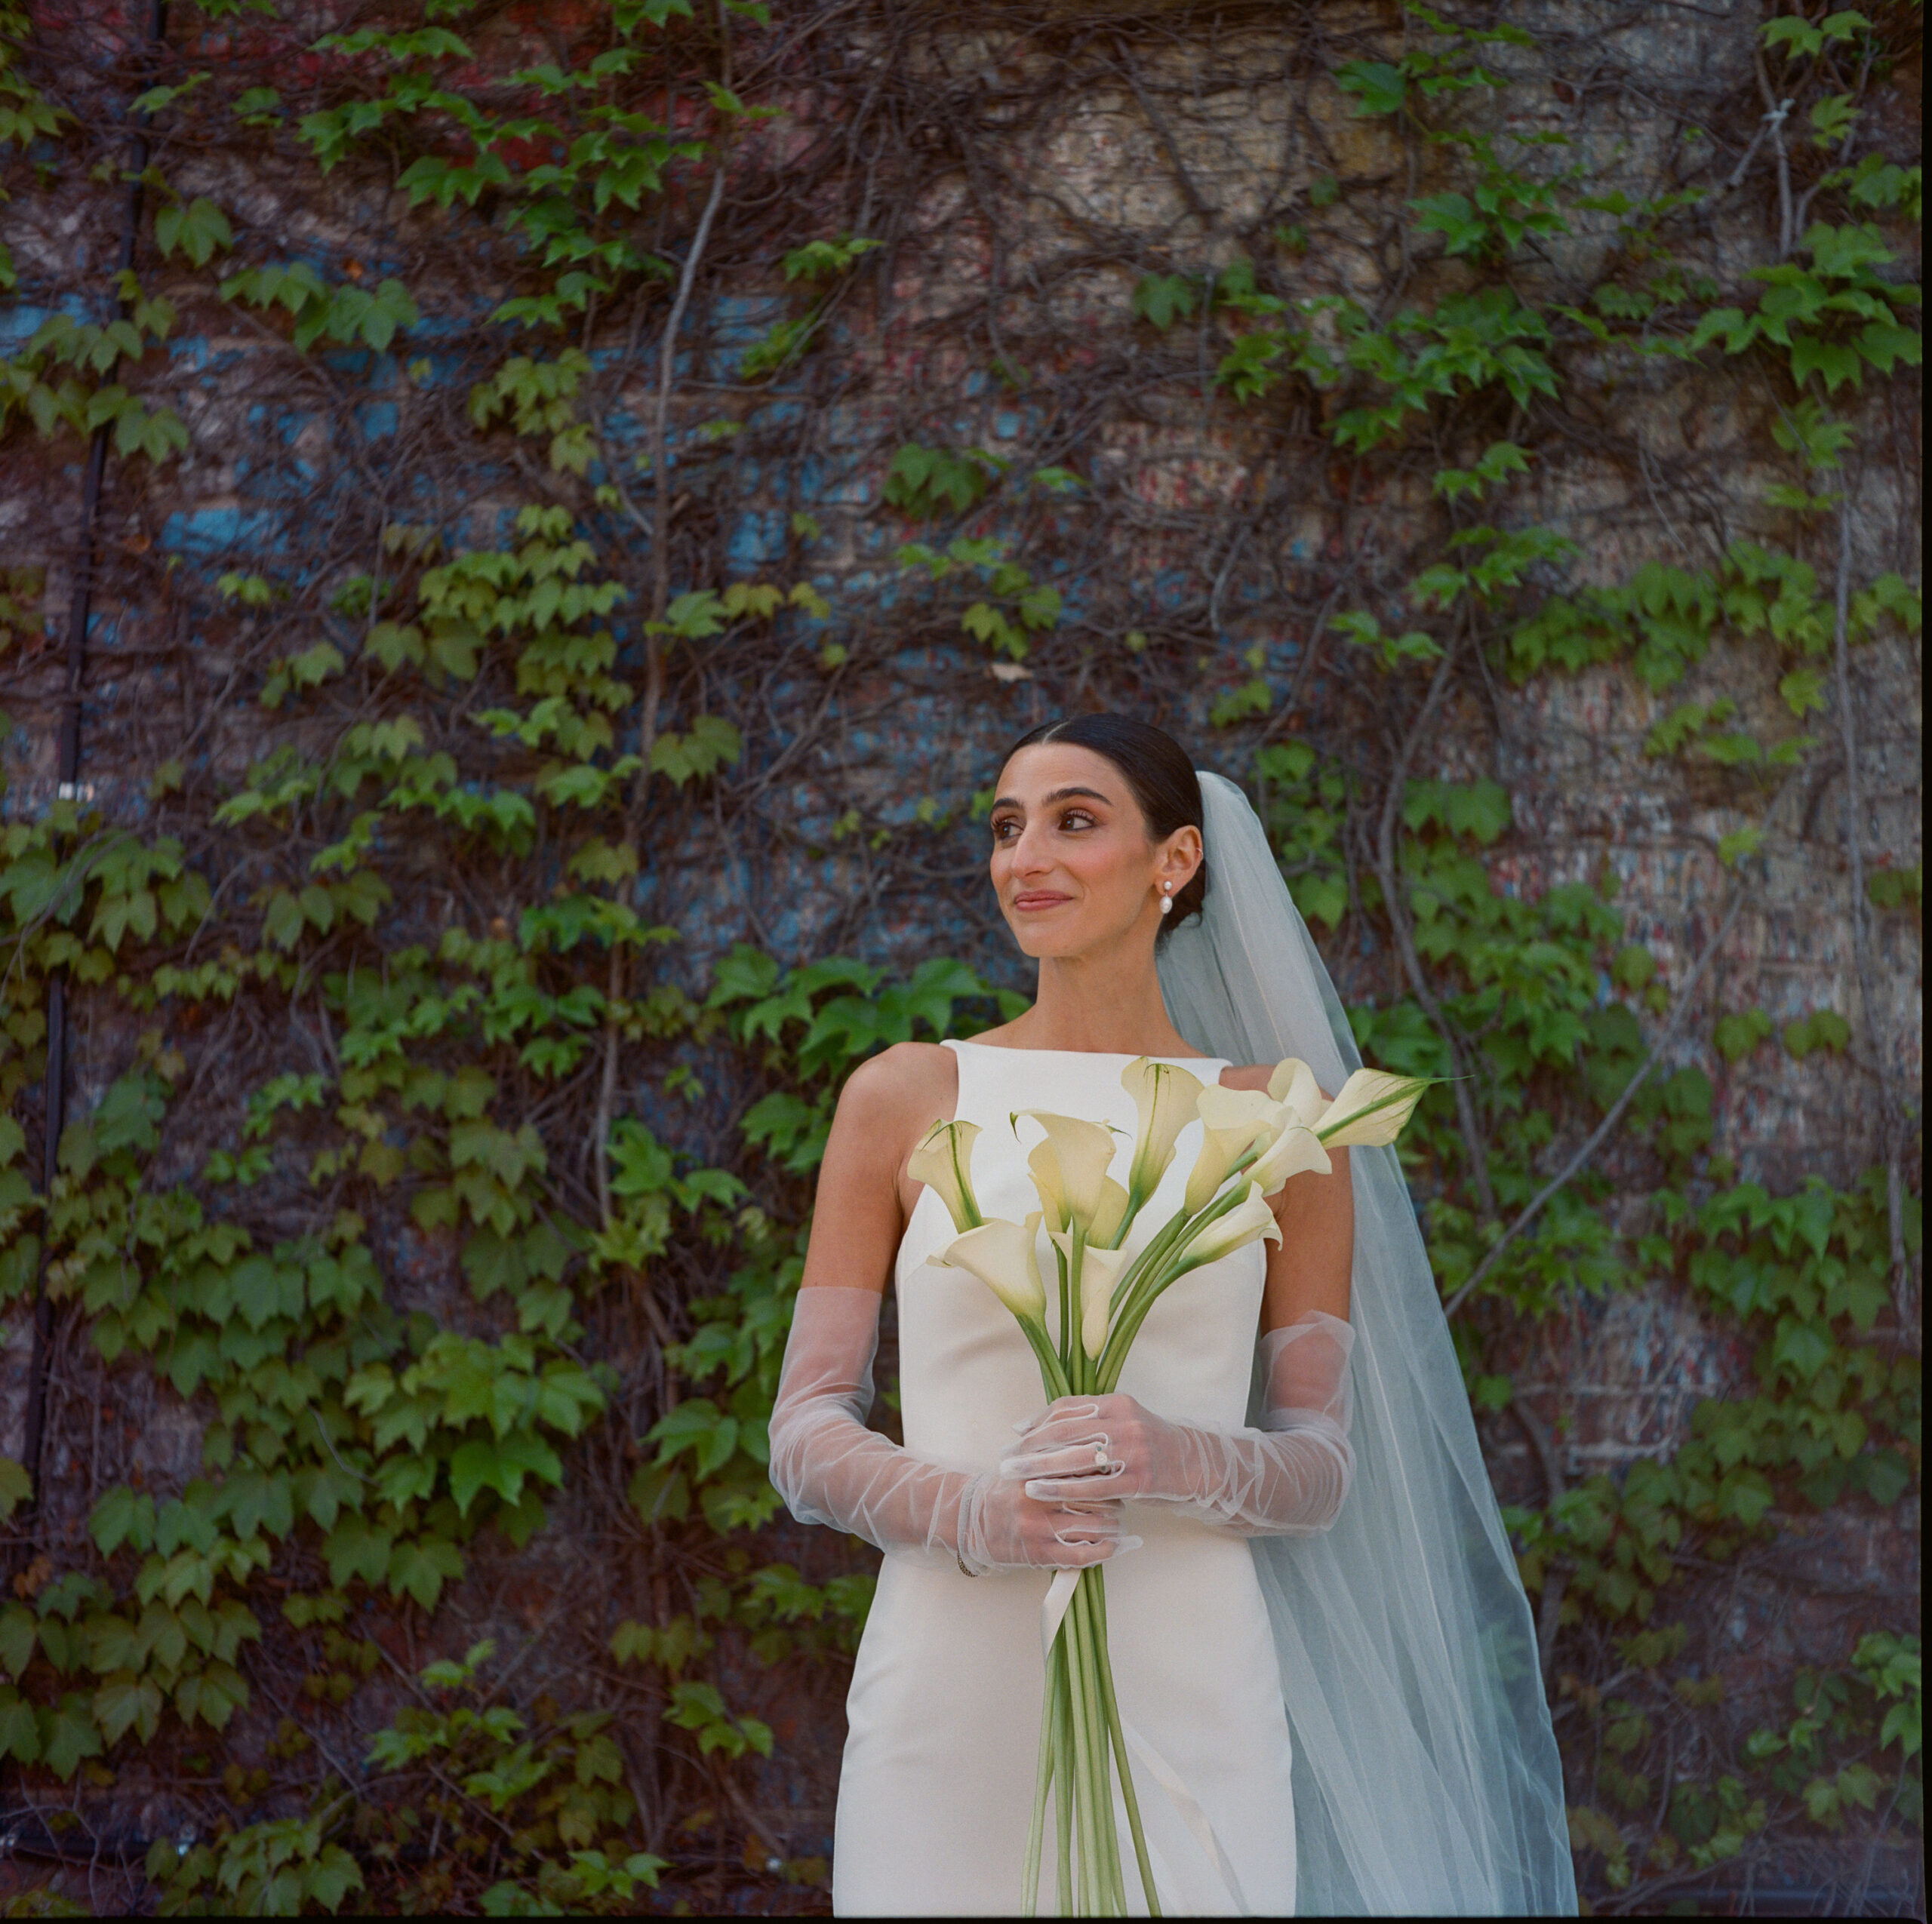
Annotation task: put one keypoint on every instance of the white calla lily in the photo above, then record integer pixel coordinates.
(1233, 1108)
(1235, 1120)
(1044, 1167)
(1249, 1220)
(1164, 1094)
(1295, 1152)
(1100, 1271)
(1221, 1151)
(1001, 1255)
(1110, 1215)
(1072, 1176)
(1109, 1210)
(943, 1161)
(1371, 1109)
(1293, 1085)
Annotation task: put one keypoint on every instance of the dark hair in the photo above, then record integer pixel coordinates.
(1157, 768)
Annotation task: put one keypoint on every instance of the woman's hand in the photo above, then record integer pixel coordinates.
(1003, 1527)
(1288, 1478)
(1086, 1447)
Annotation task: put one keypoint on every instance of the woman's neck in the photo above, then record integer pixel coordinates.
(1098, 1005)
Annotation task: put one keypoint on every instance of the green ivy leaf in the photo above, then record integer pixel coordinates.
(1835, 362)
(356, 1548)
(710, 744)
(212, 1695)
(19, 1730)
(501, 1465)
(123, 1516)
(1737, 1035)
(1378, 87)
(259, 1501)
(18, 1632)
(1164, 299)
(68, 1734)
(125, 1701)
(1803, 1348)
(198, 229)
(420, 1569)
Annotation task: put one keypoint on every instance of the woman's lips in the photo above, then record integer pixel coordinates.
(1036, 898)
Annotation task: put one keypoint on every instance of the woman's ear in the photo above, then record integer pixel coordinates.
(1181, 857)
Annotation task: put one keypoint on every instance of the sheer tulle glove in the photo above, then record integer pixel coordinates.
(831, 1469)
(1286, 1479)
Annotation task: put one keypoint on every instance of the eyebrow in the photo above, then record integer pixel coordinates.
(1058, 795)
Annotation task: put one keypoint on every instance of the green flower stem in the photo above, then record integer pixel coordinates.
(1081, 1738)
(1079, 1365)
(1136, 1202)
(1092, 1780)
(1109, 1371)
(1130, 1285)
(1087, 1762)
(1148, 1275)
(1059, 1264)
(1120, 1338)
(962, 1170)
(1111, 1704)
(1099, 1787)
(1073, 1771)
(1043, 1777)
(1114, 1894)
(1113, 1358)
(1050, 1371)
(1063, 1798)
(1179, 1234)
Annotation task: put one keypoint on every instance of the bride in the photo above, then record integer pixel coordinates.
(1324, 1660)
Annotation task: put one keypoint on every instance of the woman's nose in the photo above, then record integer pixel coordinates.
(1030, 856)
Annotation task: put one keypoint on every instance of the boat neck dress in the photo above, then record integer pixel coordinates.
(936, 1794)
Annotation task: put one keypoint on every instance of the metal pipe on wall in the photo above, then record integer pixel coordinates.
(68, 779)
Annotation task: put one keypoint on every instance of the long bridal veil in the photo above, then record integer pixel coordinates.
(1426, 1777)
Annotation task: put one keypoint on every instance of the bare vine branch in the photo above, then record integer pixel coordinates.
(1858, 908)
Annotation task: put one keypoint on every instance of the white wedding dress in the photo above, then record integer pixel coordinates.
(936, 1794)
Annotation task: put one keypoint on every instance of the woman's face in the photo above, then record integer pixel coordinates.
(1075, 868)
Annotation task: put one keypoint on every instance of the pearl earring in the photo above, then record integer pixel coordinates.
(1167, 904)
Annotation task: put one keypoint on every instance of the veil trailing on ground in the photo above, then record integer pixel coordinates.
(1426, 1777)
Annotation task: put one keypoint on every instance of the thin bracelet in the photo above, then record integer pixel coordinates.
(961, 1562)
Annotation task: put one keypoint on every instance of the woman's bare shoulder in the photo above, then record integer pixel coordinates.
(1255, 1075)
(910, 1085)
(1251, 1075)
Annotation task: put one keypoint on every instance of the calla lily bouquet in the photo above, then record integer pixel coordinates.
(1251, 1144)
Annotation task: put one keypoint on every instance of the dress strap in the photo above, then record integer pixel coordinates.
(979, 1078)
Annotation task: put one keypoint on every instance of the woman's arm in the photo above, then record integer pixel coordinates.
(1309, 1269)
(864, 1202)
(826, 1464)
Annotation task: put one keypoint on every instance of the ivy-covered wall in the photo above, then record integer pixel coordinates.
(526, 529)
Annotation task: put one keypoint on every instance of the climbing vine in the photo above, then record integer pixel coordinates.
(562, 509)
